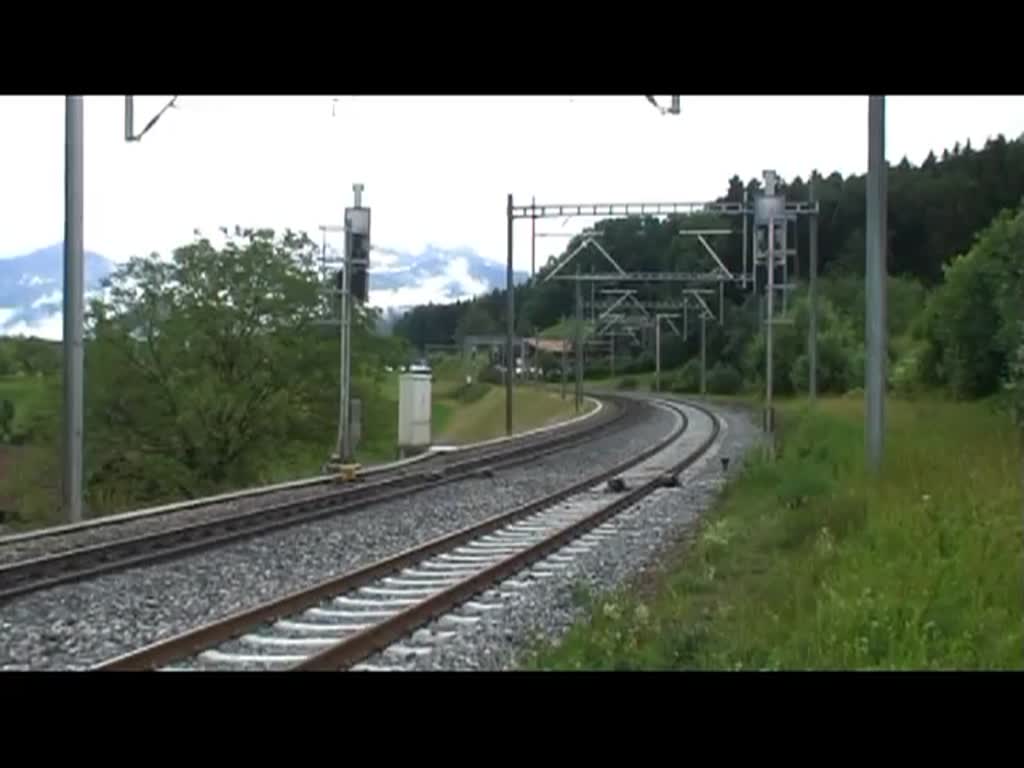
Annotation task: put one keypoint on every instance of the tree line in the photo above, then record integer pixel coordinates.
(217, 368)
(954, 290)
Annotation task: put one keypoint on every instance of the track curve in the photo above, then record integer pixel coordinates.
(24, 576)
(500, 546)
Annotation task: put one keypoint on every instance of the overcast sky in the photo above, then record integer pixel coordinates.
(436, 170)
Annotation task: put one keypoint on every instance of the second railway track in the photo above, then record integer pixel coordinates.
(24, 576)
(342, 622)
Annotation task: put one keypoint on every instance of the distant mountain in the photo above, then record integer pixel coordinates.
(32, 290)
(400, 280)
(31, 286)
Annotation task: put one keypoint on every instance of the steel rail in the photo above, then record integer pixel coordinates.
(428, 459)
(22, 577)
(194, 641)
(365, 643)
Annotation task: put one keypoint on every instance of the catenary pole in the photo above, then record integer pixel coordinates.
(509, 327)
(875, 271)
(74, 269)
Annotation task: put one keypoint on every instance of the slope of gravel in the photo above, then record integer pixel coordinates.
(547, 608)
(77, 625)
(19, 550)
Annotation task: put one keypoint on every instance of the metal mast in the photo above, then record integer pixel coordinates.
(875, 273)
(74, 302)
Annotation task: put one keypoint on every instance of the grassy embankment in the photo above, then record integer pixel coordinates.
(812, 563)
(460, 414)
(25, 393)
(28, 395)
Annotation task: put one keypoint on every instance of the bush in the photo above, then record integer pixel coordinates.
(904, 373)
(839, 367)
(724, 380)
(491, 375)
(470, 393)
(840, 353)
(628, 383)
(972, 324)
(962, 319)
(642, 364)
(687, 379)
(905, 297)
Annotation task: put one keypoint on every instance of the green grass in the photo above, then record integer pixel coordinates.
(441, 415)
(644, 382)
(461, 413)
(465, 413)
(27, 393)
(484, 418)
(17, 387)
(810, 563)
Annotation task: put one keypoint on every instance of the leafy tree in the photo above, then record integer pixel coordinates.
(840, 353)
(972, 324)
(476, 321)
(430, 324)
(935, 211)
(723, 379)
(687, 379)
(201, 366)
(34, 357)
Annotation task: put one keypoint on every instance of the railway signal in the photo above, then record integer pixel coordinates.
(357, 244)
(354, 284)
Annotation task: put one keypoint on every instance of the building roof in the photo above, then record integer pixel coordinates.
(549, 345)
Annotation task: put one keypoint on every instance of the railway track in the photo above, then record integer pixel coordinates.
(436, 457)
(342, 622)
(78, 563)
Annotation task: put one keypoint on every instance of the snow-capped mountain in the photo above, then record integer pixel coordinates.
(31, 286)
(401, 280)
(32, 290)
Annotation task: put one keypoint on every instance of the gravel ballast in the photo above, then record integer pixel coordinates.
(78, 625)
(546, 608)
(118, 527)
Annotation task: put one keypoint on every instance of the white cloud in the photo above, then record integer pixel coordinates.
(407, 296)
(33, 280)
(385, 262)
(430, 289)
(458, 272)
(53, 297)
(49, 327)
